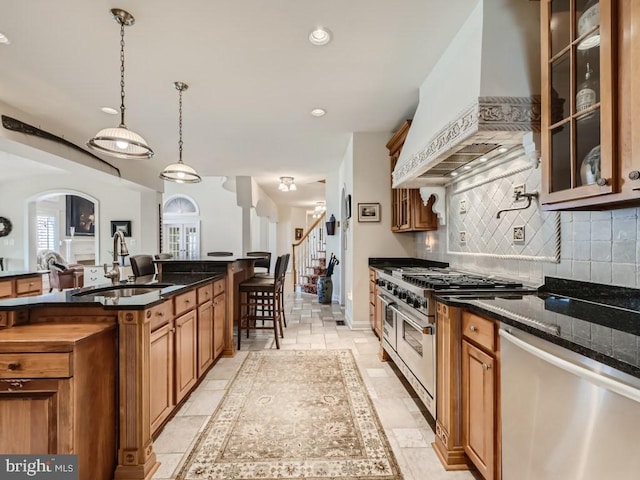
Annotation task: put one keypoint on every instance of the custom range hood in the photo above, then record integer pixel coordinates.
(480, 99)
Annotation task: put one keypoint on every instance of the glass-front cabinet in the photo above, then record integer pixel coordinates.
(578, 94)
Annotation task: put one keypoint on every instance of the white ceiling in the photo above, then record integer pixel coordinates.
(253, 76)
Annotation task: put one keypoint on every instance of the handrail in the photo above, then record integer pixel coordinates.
(305, 238)
(308, 232)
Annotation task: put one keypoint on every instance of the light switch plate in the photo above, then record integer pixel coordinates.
(462, 206)
(463, 237)
(519, 189)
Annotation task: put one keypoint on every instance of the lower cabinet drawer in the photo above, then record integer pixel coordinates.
(205, 293)
(6, 289)
(160, 315)
(479, 330)
(28, 285)
(185, 302)
(218, 287)
(35, 365)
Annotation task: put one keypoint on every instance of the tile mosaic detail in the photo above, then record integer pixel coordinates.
(493, 191)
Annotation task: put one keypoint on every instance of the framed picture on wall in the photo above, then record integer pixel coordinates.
(123, 225)
(368, 212)
(298, 234)
(80, 216)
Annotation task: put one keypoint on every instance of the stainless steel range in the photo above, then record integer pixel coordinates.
(408, 333)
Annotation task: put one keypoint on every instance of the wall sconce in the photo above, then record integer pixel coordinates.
(287, 184)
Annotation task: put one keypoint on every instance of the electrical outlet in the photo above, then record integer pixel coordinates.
(518, 189)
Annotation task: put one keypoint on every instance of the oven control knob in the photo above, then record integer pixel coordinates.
(402, 294)
(395, 290)
(389, 286)
(410, 298)
(417, 303)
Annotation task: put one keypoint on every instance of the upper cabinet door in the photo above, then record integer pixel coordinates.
(579, 140)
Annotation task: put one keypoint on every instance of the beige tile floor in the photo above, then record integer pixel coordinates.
(313, 326)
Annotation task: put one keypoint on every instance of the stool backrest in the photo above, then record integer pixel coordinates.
(142, 265)
(263, 262)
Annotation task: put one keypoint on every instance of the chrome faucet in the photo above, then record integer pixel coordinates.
(114, 273)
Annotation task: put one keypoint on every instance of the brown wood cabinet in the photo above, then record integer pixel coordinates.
(480, 395)
(219, 321)
(186, 345)
(48, 393)
(375, 318)
(161, 364)
(205, 337)
(408, 211)
(448, 443)
(21, 286)
(590, 104)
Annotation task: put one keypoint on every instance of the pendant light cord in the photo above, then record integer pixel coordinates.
(122, 74)
(180, 127)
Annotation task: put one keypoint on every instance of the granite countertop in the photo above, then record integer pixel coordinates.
(169, 284)
(609, 334)
(21, 273)
(207, 259)
(390, 263)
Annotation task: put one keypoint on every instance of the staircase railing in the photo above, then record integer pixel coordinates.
(306, 250)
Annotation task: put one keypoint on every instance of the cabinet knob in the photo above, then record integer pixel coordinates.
(14, 366)
(173, 330)
(485, 367)
(602, 182)
(634, 175)
(472, 328)
(160, 314)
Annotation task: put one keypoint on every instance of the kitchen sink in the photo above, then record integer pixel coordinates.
(121, 291)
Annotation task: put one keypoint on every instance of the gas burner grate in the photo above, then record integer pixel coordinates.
(458, 282)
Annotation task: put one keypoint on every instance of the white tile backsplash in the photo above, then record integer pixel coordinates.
(600, 246)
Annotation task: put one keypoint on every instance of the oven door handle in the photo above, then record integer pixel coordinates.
(386, 300)
(426, 330)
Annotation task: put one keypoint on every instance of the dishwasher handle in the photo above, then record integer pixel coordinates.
(578, 370)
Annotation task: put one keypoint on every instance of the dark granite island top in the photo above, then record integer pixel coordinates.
(597, 321)
(172, 284)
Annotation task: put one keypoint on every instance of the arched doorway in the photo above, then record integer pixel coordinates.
(181, 227)
(66, 221)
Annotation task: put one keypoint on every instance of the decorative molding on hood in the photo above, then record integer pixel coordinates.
(439, 207)
(496, 119)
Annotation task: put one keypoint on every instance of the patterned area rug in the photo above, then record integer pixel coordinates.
(294, 414)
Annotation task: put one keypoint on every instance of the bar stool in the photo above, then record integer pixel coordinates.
(260, 301)
(285, 265)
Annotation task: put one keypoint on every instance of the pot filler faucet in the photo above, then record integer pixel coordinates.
(114, 273)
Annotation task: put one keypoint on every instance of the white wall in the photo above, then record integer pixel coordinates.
(220, 216)
(365, 173)
(114, 203)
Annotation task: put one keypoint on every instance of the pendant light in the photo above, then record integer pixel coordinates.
(180, 172)
(120, 141)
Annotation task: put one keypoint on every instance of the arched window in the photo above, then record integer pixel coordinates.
(181, 226)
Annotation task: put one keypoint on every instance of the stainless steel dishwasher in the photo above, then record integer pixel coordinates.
(565, 416)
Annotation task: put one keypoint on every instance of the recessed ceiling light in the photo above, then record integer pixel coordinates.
(4, 39)
(318, 112)
(320, 36)
(466, 167)
(109, 110)
(483, 159)
(502, 149)
(454, 174)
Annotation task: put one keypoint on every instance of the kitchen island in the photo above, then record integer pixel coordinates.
(154, 341)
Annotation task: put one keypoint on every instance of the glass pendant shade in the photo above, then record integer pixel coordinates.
(120, 142)
(180, 173)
